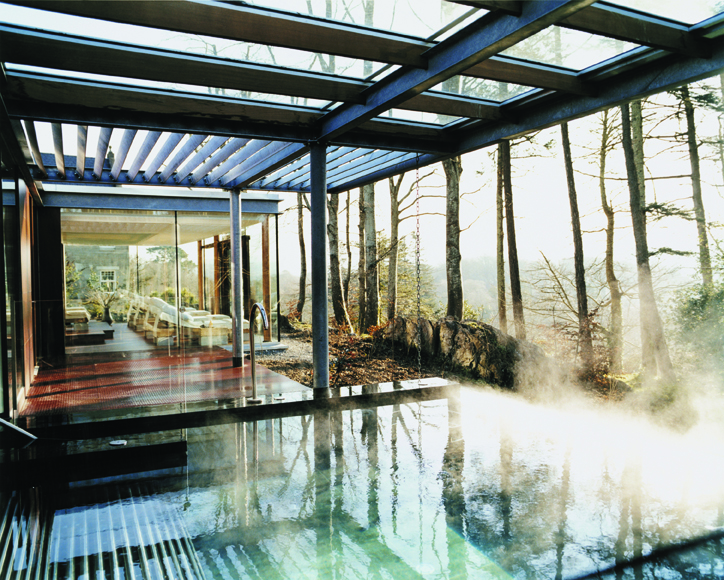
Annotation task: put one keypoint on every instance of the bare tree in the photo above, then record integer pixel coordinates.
(584, 326)
(372, 317)
(500, 237)
(335, 280)
(515, 289)
(348, 274)
(302, 202)
(453, 169)
(362, 262)
(652, 328)
(615, 333)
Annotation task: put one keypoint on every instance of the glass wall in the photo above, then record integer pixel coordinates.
(153, 272)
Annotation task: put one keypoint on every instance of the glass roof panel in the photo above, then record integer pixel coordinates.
(188, 43)
(420, 18)
(419, 116)
(570, 48)
(689, 12)
(261, 97)
(481, 88)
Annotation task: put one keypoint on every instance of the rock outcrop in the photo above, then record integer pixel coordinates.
(476, 348)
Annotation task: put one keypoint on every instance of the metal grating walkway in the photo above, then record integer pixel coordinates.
(126, 535)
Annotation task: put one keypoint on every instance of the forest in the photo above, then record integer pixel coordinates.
(633, 286)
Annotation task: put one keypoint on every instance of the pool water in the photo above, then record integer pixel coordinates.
(484, 486)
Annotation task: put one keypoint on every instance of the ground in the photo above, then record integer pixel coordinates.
(363, 361)
(353, 360)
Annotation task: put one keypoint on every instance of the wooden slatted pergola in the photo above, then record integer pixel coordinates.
(206, 121)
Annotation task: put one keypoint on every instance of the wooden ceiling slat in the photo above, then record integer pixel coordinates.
(57, 131)
(81, 148)
(33, 143)
(120, 158)
(148, 144)
(168, 146)
(191, 143)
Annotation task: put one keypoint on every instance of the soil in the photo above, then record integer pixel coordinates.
(353, 360)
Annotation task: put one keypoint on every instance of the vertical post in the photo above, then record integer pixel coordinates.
(320, 316)
(200, 274)
(236, 280)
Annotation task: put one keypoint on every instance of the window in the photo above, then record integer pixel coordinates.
(108, 280)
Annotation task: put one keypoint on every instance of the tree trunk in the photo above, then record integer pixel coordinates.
(515, 290)
(637, 145)
(615, 334)
(650, 320)
(704, 256)
(348, 274)
(361, 265)
(335, 278)
(500, 253)
(302, 256)
(453, 169)
(584, 327)
(394, 247)
(372, 296)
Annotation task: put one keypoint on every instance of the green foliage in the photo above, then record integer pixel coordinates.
(166, 253)
(72, 280)
(698, 316)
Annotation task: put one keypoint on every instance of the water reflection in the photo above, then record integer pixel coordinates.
(480, 486)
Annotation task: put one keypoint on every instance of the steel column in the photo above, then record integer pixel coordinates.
(236, 280)
(320, 316)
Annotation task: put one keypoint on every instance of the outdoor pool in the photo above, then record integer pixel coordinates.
(485, 486)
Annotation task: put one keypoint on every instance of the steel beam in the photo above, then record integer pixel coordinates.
(320, 314)
(237, 284)
(478, 41)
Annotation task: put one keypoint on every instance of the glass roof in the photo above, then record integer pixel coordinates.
(689, 11)
(188, 43)
(419, 18)
(570, 48)
(481, 88)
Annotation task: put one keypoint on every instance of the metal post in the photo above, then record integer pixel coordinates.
(320, 316)
(236, 281)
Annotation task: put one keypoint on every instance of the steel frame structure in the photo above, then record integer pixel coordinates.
(213, 141)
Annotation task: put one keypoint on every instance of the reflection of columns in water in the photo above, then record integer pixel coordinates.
(563, 514)
(506, 467)
(394, 477)
(453, 495)
(322, 487)
(369, 438)
(337, 422)
(630, 508)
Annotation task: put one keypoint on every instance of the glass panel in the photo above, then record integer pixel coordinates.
(257, 228)
(190, 43)
(415, 17)
(690, 12)
(205, 281)
(481, 88)
(570, 48)
(13, 308)
(120, 266)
